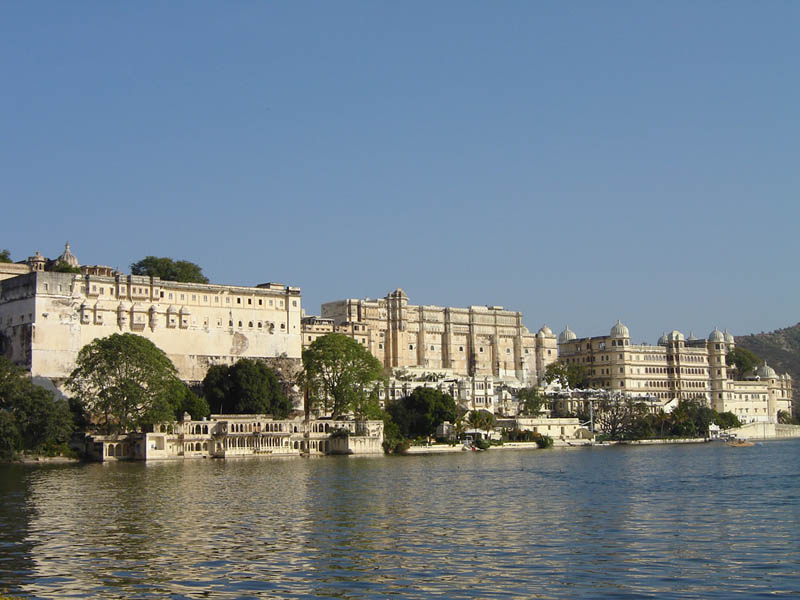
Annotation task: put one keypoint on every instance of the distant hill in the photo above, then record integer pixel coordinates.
(780, 348)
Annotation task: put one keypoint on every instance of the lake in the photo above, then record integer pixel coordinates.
(673, 521)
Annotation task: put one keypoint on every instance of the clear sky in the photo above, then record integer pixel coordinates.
(578, 161)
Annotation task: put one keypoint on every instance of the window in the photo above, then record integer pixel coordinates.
(294, 302)
(194, 298)
(238, 300)
(249, 300)
(260, 302)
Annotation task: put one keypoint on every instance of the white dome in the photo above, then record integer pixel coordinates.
(675, 336)
(766, 372)
(619, 330)
(567, 335)
(68, 257)
(545, 330)
(716, 336)
(728, 337)
(691, 337)
(662, 341)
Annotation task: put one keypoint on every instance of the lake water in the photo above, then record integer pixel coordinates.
(681, 521)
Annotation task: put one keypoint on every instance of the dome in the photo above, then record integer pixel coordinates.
(662, 341)
(692, 337)
(675, 336)
(728, 337)
(619, 330)
(766, 372)
(68, 257)
(545, 330)
(567, 335)
(716, 336)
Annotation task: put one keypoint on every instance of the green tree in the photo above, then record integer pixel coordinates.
(62, 267)
(217, 389)
(169, 269)
(367, 405)
(572, 375)
(31, 417)
(337, 371)
(728, 420)
(784, 418)
(744, 361)
(556, 371)
(532, 403)
(10, 439)
(422, 411)
(255, 388)
(5, 256)
(124, 382)
(482, 420)
(617, 416)
(184, 400)
(247, 387)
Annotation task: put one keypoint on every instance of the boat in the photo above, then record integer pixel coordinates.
(740, 443)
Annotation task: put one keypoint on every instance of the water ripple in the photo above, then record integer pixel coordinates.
(651, 522)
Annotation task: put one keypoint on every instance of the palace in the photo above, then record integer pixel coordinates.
(480, 355)
(230, 436)
(677, 368)
(46, 317)
(479, 340)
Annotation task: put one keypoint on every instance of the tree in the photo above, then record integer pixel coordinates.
(572, 375)
(616, 416)
(217, 389)
(124, 382)
(532, 402)
(422, 411)
(184, 400)
(784, 418)
(556, 371)
(62, 267)
(247, 387)
(169, 269)
(744, 361)
(31, 418)
(728, 420)
(482, 420)
(337, 370)
(5, 256)
(367, 406)
(255, 388)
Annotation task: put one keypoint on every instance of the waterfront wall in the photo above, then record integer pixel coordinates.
(766, 431)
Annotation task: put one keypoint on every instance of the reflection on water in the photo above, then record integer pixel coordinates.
(667, 522)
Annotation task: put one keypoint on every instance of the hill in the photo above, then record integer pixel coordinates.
(780, 348)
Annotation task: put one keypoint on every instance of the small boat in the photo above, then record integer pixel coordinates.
(740, 443)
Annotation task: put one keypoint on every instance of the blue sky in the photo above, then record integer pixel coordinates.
(578, 161)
